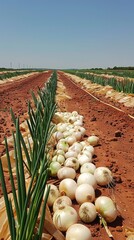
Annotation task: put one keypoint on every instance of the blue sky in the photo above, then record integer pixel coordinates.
(66, 33)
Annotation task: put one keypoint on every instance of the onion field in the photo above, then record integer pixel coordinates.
(66, 156)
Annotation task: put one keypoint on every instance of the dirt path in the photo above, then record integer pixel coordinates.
(116, 132)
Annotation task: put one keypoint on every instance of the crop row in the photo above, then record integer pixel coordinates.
(125, 86)
(126, 73)
(13, 74)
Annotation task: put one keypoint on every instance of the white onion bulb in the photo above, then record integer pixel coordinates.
(69, 127)
(78, 123)
(93, 140)
(66, 172)
(61, 127)
(75, 113)
(81, 129)
(70, 140)
(87, 212)
(59, 152)
(87, 178)
(62, 145)
(86, 152)
(72, 162)
(89, 148)
(53, 194)
(66, 134)
(83, 143)
(70, 153)
(58, 158)
(77, 147)
(72, 119)
(84, 193)
(54, 167)
(64, 218)
(83, 158)
(58, 135)
(70, 131)
(68, 187)
(106, 208)
(61, 202)
(103, 176)
(78, 232)
(78, 135)
(88, 167)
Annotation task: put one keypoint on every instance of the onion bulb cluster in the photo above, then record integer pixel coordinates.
(71, 150)
(72, 163)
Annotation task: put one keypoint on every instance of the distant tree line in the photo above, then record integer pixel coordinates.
(5, 69)
(122, 68)
(114, 68)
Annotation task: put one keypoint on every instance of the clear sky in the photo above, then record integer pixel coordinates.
(66, 33)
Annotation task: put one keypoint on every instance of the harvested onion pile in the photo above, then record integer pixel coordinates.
(72, 163)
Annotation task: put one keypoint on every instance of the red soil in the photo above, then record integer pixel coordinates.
(115, 150)
(16, 95)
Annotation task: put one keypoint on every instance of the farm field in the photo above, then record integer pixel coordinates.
(114, 128)
(119, 72)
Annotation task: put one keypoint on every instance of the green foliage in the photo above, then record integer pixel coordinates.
(126, 85)
(10, 74)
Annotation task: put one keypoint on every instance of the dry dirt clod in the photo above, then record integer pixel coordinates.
(118, 179)
(93, 119)
(118, 133)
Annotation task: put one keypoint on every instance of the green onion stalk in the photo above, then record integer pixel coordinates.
(126, 85)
